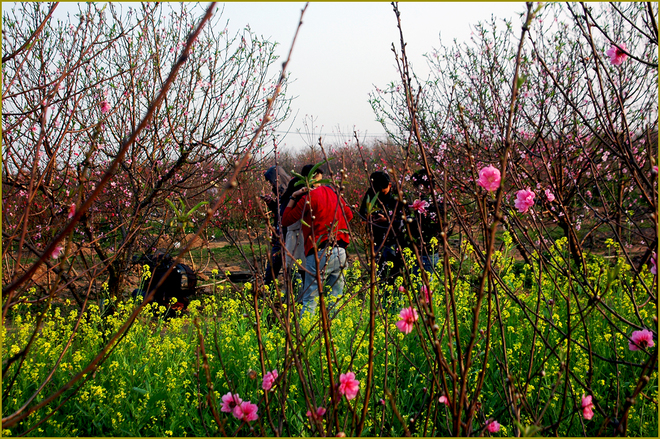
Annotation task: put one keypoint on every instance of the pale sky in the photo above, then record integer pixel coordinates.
(344, 51)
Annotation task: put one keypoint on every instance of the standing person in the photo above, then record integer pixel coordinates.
(325, 216)
(427, 222)
(278, 179)
(294, 239)
(386, 208)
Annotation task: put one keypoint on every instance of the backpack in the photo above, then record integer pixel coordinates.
(180, 283)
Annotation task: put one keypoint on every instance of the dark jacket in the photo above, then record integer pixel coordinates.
(426, 224)
(387, 206)
(279, 179)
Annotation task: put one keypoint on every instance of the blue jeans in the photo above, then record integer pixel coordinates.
(331, 262)
(385, 273)
(429, 262)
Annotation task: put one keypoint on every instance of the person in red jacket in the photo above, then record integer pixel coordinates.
(325, 216)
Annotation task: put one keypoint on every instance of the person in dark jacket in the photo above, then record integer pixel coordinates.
(278, 179)
(427, 223)
(386, 210)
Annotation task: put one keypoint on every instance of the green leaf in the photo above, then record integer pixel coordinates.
(140, 391)
(371, 202)
(200, 204)
(316, 166)
(612, 274)
(176, 211)
(528, 430)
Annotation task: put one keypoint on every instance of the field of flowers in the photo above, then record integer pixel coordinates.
(527, 161)
(183, 376)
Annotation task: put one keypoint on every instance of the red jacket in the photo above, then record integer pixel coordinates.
(330, 217)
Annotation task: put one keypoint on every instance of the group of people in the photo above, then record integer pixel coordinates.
(314, 219)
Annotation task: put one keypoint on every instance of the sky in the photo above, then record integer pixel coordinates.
(343, 52)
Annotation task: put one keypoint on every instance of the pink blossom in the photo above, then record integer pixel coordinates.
(549, 195)
(587, 407)
(229, 402)
(105, 107)
(402, 289)
(643, 338)
(269, 379)
(34, 128)
(617, 56)
(246, 411)
(489, 178)
(444, 400)
(408, 318)
(420, 206)
(320, 411)
(425, 291)
(655, 169)
(348, 385)
(524, 200)
(72, 210)
(56, 251)
(492, 426)
(654, 264)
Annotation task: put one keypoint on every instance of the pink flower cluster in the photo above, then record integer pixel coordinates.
(587, 407)
(57, 251)
(105, 107)
(617, 56)
(318, 414)
(492, 426)
(269, 379)
(641, 339)
(408, 318)
(654, 264)
(242, 410)
(524, 200)
(348, 385)
(549, 195)
(489, 178)
(420, 206)
(426, 293)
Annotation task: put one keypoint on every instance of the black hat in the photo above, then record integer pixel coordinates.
(380, 180)
(307, 168)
